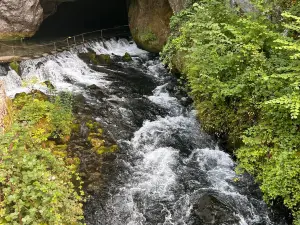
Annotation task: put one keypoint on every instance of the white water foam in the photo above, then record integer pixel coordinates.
(66, 71)
(162, 98)
(116, 47)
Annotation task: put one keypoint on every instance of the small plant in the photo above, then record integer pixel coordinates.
(148, 36)
(35, 173)
(127, 57)
(15, 66)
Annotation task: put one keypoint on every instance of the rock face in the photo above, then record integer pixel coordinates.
(22, 18)
(149, 21)
(19, 18)
(49, 7)
(177, 5)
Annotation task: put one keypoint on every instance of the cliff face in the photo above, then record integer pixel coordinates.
(22, 18)
(149, 21)
(19, 18)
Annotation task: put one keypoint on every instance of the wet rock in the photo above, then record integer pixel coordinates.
(209, 210)
(94, 176)
(48, 84)
(149, 21)
(103, 59)
(3, 70)
(127, 57)
(92, 57)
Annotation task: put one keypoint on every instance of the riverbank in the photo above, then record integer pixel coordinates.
(243, 74)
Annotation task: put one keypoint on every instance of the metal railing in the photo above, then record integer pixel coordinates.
(28, 49)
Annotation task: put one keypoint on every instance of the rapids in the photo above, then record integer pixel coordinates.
(167, 171)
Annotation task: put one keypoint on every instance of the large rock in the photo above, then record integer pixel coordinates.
(22, 18)
(19, 18)
(149, 21)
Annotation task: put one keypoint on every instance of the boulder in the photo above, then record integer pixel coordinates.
(149, 21)
(127, 57)
(19, 18)
(92, 57)
(211, 210)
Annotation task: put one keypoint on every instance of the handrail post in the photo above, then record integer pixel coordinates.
(13, 49)
(54, 46)
(74, 40)
(82, 38)
(68, 42)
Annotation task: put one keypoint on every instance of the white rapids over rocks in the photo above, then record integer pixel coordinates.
(173, 165)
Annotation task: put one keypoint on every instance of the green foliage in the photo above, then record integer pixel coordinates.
(35, 183)
(96, 139)
(148, 36)
(244, 78)
(15, 66)
(127, 57)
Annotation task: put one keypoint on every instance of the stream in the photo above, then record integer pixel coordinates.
(166, 171)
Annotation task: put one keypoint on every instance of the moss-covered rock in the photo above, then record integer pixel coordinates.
(15, 66)
(92, 57)
(149, 21)
(103, 59)
(127, 57)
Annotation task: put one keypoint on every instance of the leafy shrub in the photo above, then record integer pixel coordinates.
(244, 78)
(35, 184)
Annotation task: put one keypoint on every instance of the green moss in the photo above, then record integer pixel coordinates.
(97, 140)
(103, 59)
(15, 66)
(127, 57)
(148, 36)
(103, 149)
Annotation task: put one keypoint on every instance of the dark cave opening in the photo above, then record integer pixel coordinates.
(75, 17)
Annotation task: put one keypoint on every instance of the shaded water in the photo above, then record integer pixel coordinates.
(167, 171)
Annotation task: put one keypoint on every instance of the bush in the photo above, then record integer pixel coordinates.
(35, 184)
(244, 80)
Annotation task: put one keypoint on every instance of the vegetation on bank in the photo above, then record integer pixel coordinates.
(36, 174)
(243, 74)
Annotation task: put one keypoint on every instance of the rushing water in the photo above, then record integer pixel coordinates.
(167, 171)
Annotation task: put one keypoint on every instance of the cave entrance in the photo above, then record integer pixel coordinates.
(79, 16)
